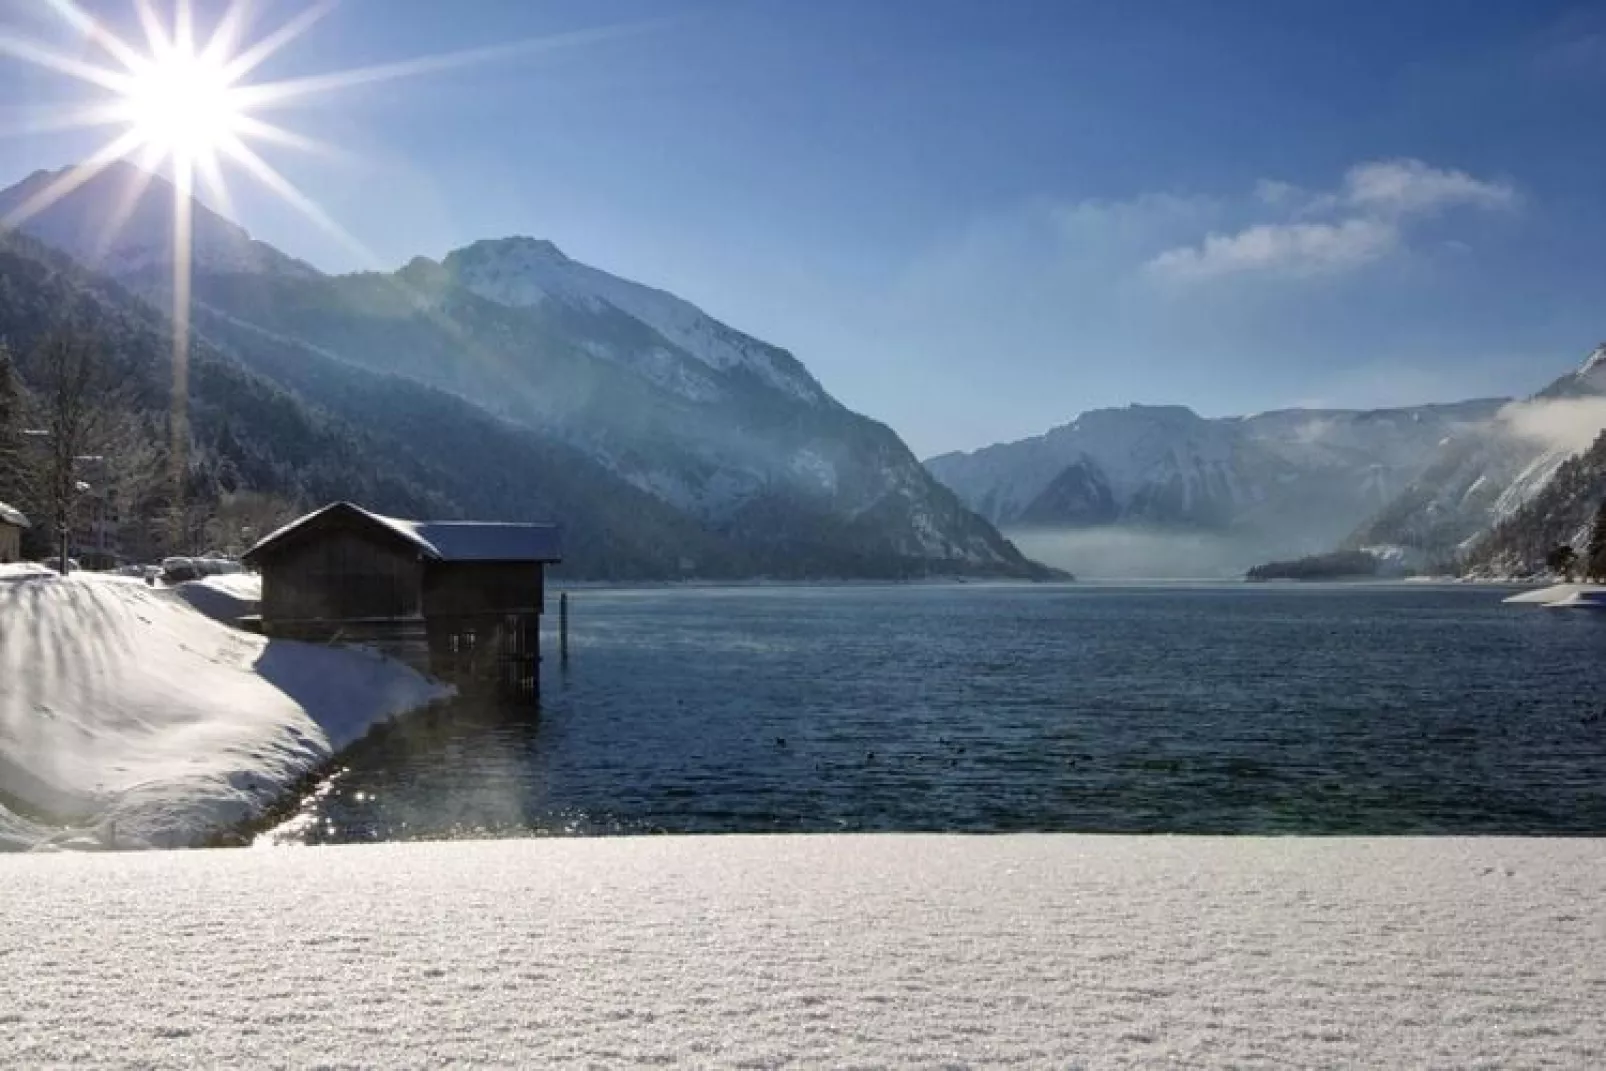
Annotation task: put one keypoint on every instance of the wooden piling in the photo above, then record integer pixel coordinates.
(563, 627)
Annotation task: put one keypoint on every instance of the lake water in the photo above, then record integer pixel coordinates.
(1182, 709)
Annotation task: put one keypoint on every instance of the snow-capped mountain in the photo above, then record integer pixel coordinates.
(1491, 469)
(1562, 511)
(524, 272)
(730, 430)
(120, 221)
(1587, 381)
(1157, 463)
(1426, 482)
(1295, 479)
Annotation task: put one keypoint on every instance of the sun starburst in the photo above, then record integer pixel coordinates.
(190, 108)
(177, 105)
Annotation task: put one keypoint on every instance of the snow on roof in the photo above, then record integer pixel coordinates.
(12, 515)
(450, 541)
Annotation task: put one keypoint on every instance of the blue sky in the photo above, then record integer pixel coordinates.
(975, 220)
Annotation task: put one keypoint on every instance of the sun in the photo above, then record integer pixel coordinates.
(183, 105)
(189, 108)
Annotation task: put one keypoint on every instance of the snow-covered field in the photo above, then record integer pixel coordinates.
(130, 719)
(854, 951)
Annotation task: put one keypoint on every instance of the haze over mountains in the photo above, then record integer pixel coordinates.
(1161, 491)
(675, 445)
(629, 395)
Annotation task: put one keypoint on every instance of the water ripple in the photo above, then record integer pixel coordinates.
(998, 708)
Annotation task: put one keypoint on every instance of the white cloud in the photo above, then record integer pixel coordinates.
(1398, 187)
(1291, 248)
(1326, 232)
(1566, 424)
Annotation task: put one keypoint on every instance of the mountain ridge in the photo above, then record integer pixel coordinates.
(723, 428)
(120, 221)
(1281, 482)
(1489, 472)
(1424, 485)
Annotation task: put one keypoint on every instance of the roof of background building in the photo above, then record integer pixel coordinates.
(448, 541)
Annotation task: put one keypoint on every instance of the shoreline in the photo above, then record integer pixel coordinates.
(141, 722)
(258, 829)
(1082, 581)
(237, 799)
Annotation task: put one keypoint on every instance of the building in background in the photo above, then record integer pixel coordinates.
(12, 522)
(96, 540)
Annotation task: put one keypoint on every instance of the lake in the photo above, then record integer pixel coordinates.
(992, 708)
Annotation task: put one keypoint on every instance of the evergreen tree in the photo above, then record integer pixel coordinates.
(1561, 560)
(1595, 567)
(12, 461)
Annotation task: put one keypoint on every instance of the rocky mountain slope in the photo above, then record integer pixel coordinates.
(1559, 512)
(383, 440)
(121, 222)
(727, 432)
(1490, 470)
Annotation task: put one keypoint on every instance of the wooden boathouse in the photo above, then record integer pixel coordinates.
(459, 599)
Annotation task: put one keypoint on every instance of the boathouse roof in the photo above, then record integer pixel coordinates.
(12, 515)
(442, 541)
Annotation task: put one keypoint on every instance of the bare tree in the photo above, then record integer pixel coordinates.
(243, 517)
(189, 522)
(80, 420)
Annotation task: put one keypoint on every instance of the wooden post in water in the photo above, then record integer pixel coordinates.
(563, 628)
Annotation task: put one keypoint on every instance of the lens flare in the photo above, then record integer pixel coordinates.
(182, 106)
(188, 108)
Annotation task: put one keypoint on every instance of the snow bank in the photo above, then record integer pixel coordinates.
(225, 598)
(128, 718)
(1558, 595)
(23, 570)
(859, 951)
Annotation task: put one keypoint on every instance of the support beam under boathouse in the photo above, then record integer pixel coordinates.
(461, 600)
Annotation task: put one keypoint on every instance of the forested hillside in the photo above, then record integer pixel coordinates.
(436, 456)
(1560, 513)
(277, 419)
(509, 381)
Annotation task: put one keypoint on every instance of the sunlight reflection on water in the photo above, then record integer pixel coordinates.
(1000, 708)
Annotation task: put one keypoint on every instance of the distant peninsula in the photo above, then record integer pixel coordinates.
(1339, 565)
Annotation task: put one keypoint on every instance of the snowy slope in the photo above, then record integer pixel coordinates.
(524, 271)
(1380, 447)
(121, 222)
(1587, 380)
(827, 951)
(1131, 453)
(1292, 479)
(128, 717)
(1562, 511)
(729, 433)
(1489, 471)
(225, 598)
